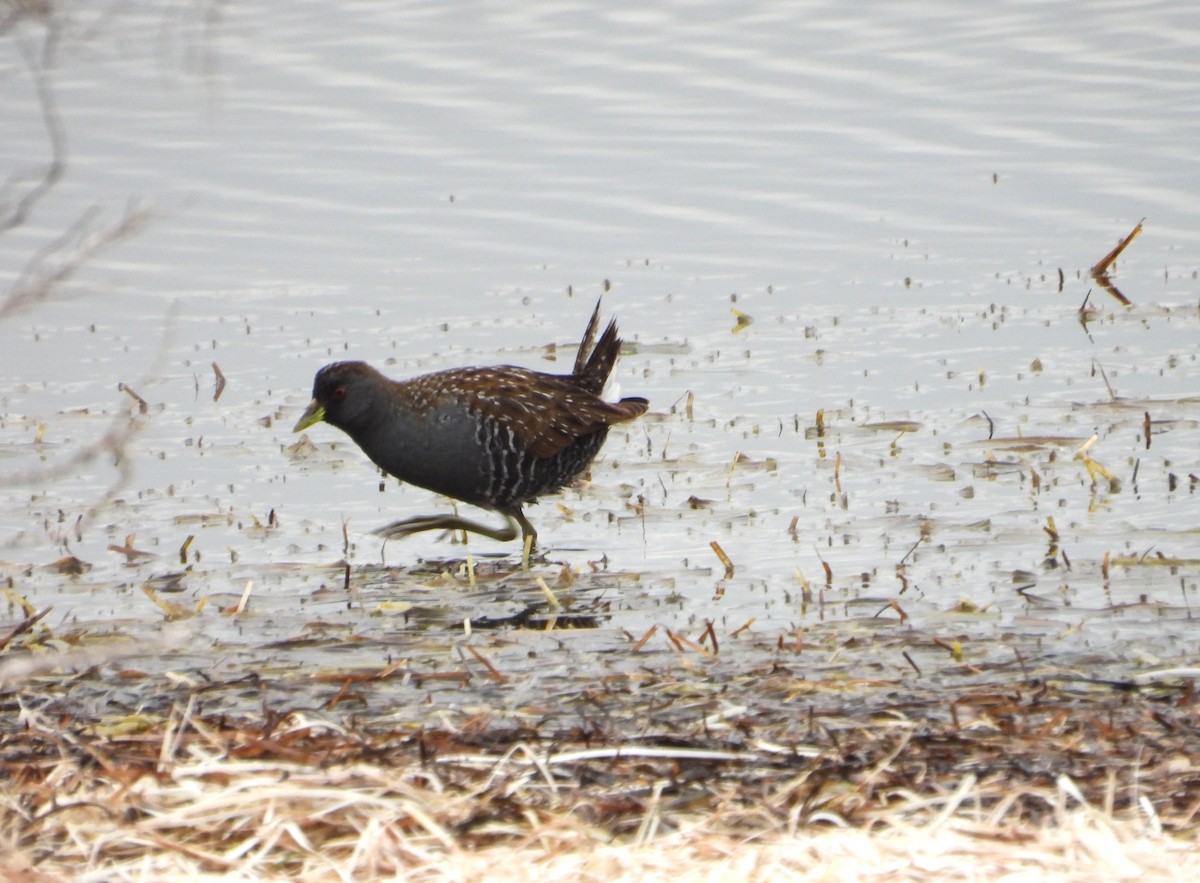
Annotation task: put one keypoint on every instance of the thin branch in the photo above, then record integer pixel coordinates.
(36, 284)
(17, 214)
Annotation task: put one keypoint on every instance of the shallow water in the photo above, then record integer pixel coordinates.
(888, 196)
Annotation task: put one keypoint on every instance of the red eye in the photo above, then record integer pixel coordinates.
(339, 392)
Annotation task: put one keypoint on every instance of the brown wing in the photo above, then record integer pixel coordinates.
(548, 412)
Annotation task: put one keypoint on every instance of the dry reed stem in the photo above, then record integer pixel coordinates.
(302, 798)
(213, 817)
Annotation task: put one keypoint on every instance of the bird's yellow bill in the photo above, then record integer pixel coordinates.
(315, 413)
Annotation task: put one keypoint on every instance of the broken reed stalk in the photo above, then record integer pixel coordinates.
(220, 384)
(1102, 266)
(725, 560)
(1100, 270)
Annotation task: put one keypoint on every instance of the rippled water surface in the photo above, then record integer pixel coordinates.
(848, 249)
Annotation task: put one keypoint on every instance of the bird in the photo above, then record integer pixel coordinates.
(495, 437)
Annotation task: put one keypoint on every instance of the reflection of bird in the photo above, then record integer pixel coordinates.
(493, 437)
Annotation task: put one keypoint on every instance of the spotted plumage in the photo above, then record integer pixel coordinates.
(497, 437)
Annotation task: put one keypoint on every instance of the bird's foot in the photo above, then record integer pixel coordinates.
(515, 526)
(421, 523)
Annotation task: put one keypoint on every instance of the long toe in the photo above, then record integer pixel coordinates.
(408, 526)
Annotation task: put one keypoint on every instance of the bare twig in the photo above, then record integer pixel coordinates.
(16, 212)
(38, 283)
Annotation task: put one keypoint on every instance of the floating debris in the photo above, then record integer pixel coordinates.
(728, 564)
(220, 385)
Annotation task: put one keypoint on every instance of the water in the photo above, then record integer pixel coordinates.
(889, 196)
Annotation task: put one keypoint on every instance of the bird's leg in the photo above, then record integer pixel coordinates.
(528, 537)
(526, 550)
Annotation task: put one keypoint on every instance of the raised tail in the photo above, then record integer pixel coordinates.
(596, 358)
